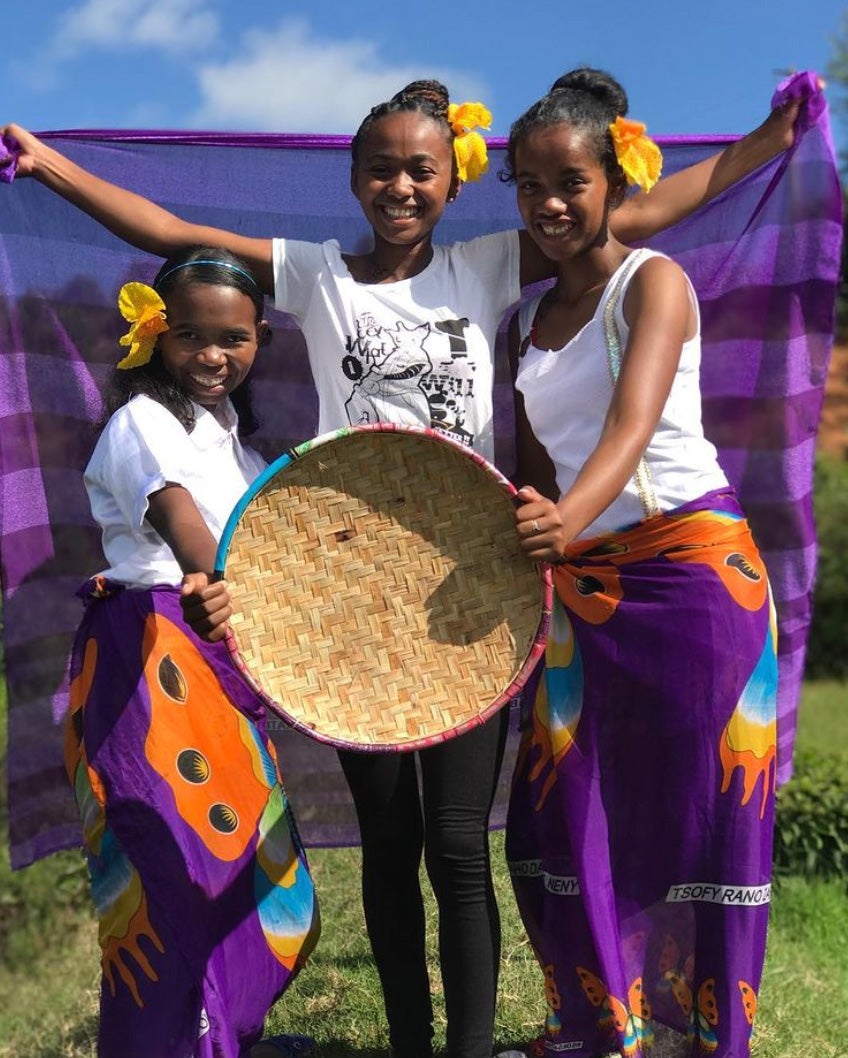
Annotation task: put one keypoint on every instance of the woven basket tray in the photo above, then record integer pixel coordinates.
(381, 601)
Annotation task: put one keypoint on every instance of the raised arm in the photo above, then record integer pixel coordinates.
(675, 197)
(135, 219)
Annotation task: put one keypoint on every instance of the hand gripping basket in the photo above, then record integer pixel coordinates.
(381, 600)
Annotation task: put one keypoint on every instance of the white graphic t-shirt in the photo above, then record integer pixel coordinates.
(417, 352)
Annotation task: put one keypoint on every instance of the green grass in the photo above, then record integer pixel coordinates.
(49, 971)
(823, 721)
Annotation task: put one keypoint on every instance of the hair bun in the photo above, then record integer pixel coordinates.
(597, 83)
(432, 92)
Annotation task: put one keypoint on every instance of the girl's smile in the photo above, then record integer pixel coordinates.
(211, 341)
(564, 193)
(403, 177)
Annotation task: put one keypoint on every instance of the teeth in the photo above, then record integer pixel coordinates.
(555, 229)
(206, 382)
(400, 213)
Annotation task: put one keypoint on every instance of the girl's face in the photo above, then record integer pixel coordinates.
(564, 193)
(211, 340)
(403, 177)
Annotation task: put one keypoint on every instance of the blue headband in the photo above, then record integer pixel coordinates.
(204, 261)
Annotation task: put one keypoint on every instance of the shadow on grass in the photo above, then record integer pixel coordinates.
(79, 1041)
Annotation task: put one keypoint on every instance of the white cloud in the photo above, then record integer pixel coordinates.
(288, 80)
(177, 27)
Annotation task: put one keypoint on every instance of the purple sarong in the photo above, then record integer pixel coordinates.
(204, 898)
(639, 833)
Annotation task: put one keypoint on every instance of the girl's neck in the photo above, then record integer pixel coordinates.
(578, 278)
(388, 263)
(573, 300)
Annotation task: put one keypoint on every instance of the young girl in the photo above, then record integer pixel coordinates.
(406, 332)
(640, 827)
(203, 894)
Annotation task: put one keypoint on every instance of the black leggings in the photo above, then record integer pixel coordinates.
(459, 778)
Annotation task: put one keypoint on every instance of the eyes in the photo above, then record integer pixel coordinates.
(419, 173)
(228, 340)
(566, 187)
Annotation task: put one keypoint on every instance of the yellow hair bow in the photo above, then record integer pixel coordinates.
(638, 155)
(145, 310)
(469, 147)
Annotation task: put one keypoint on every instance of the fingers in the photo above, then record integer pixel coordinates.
(8, 156)
(193, 583)
(541, 534)
(206, 606)
(535, 515)
(528, 527)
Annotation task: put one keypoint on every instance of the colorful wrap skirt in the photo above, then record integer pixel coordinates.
(639, 834)
(205, 903)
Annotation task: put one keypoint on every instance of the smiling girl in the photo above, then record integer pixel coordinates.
(640, 825)
(197, 874)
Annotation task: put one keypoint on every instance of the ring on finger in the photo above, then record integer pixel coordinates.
(535, 527)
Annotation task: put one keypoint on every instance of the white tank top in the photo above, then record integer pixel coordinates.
(567, 392)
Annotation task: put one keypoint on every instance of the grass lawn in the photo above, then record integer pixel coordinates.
(49, 964)
(823, 721)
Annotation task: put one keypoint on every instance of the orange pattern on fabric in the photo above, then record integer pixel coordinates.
(680, 990)
(550, 735)
(120, 932)
(588, 579)
(630, 1020)
(739, 567)
(538, 737)
(592, 594)
(80, 688)
(749, 739)
(207, 782)
(749, 1001)
(757, 762)
(707, 1005)
(552, 996)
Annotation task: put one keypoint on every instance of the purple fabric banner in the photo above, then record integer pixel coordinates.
(764, 258)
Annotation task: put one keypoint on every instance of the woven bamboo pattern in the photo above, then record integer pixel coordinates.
(381, 600)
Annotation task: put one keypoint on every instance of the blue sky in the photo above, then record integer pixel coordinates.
(257, 65)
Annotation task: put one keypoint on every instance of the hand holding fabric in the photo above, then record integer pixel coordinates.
(18, 150)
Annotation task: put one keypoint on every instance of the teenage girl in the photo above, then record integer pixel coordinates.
(382, 329)
(640, 826)
(204, 899)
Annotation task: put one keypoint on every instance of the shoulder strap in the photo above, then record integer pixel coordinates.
(526, 322)
(612, 338)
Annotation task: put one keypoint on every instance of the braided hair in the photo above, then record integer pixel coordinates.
(421, 97)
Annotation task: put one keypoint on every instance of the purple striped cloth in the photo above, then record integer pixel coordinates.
(764, 258)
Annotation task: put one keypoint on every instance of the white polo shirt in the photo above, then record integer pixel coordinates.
(142, 448)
